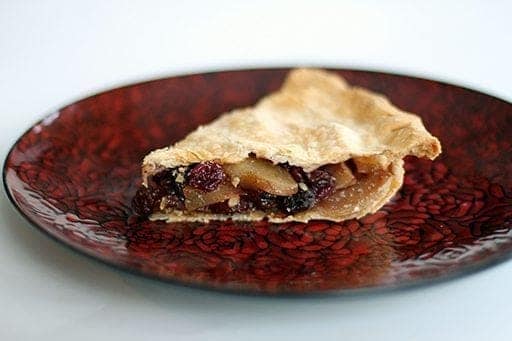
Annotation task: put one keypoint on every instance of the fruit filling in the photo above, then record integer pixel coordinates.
(251, 185)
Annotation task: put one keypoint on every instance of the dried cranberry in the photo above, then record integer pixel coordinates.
(206, 176)
(321, 183)
(145, 200)
(300, 201)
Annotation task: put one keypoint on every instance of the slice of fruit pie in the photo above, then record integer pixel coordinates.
(315, 149)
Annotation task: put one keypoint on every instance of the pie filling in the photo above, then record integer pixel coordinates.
(251, 185)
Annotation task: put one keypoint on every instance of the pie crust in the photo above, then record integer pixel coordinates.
(315, 119)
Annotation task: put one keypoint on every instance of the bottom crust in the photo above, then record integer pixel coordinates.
(365, 197)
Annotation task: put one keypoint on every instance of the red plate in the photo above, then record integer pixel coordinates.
(74, 173)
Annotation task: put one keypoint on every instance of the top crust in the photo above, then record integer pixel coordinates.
(316, 118)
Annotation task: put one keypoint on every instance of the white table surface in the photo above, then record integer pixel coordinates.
(53, 52)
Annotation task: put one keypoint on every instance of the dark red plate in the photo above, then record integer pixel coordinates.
(73, 175)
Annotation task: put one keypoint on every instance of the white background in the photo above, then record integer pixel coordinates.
(53, 52)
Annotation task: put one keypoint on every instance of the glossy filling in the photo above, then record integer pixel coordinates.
(251, 185)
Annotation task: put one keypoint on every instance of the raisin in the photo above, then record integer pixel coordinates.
(220, 208)
(266, 201)
(298, 202)
(145, 200)
(297, 173)
(321, 183)
(206, 176)
(166, 180)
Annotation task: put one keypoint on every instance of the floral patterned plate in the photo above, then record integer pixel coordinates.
(73, 175)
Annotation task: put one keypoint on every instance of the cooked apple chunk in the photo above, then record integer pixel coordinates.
(196, 198)
(262, 175)
(342, 174)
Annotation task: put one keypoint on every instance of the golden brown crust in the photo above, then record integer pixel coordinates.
(313, 120)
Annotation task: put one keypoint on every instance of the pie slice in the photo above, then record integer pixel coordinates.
(315, 149)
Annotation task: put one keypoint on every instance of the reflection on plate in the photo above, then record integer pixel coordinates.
(73, 175)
